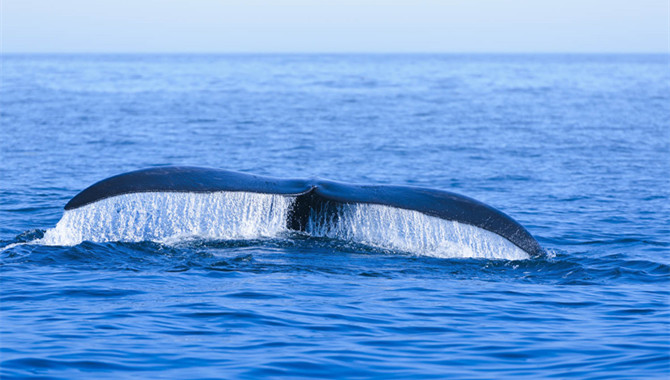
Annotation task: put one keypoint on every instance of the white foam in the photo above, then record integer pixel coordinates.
(173, 216)
(411, 231)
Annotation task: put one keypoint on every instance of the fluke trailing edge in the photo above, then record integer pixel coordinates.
(313, 196)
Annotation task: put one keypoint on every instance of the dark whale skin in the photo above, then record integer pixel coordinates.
(313, 194)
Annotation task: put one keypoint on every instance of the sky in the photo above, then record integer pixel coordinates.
(338, 26)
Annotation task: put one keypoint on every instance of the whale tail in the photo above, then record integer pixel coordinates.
(371, 213)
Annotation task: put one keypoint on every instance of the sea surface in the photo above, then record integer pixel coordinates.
(576, 148)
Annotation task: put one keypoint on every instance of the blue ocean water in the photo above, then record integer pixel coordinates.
(574, 147)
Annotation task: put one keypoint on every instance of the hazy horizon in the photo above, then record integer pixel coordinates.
(243, 53)
(329, 27)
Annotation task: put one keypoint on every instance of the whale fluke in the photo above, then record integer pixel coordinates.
(313, 198)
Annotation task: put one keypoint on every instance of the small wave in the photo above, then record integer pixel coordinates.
(172, 218)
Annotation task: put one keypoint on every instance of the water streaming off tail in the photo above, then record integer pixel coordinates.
(410, 231)
(168, 216)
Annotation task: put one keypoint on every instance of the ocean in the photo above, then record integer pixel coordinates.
(576, 148)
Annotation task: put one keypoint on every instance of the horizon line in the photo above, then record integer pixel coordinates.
(289, 52)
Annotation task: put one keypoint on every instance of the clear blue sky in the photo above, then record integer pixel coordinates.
(335, 26)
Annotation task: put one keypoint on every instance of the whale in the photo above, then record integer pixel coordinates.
(313, 197)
